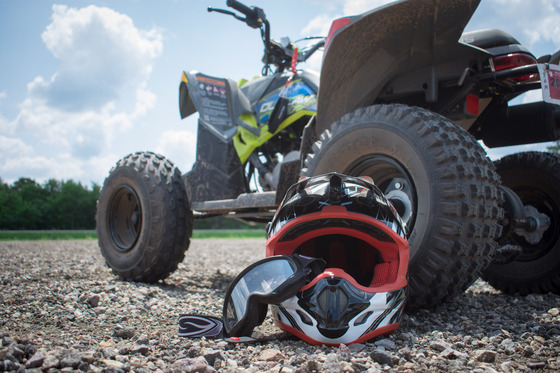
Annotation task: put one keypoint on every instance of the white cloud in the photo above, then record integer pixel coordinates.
(319, 25)
(179, 147)
(12, 146)
(101, 52)
(533, 22)
(352, 7)
(68, 122)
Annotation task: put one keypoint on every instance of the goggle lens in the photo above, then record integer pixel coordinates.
(262, 279)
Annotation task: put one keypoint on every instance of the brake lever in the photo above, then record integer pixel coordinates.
(229, 13)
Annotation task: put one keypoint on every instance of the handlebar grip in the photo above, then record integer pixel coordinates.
(240, 7)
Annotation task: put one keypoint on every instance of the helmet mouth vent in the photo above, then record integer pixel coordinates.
(333, 333)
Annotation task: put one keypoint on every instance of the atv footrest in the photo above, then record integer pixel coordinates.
(245, 202)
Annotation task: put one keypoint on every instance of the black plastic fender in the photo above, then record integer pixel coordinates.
(219, 101)
(388, 42)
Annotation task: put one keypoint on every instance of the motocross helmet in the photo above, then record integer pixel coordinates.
(347, 222)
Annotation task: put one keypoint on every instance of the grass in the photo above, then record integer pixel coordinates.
(92, 235)
(47, 235)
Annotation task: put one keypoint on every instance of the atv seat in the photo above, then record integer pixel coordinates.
(488, 38)
(494, 41)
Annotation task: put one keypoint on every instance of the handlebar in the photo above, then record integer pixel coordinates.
(256, 18)
(307, 53)
(242, 8)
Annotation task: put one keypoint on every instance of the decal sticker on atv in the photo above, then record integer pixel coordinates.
(301, 97)
(550, 82)
(214, 109)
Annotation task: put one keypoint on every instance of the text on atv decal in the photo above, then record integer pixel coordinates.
(211, 81)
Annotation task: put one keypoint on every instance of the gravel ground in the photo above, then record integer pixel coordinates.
(61, 309)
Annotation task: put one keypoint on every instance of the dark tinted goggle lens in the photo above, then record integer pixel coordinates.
(261, 279)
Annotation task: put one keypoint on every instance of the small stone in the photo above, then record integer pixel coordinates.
(124, 333)
(6, 341)
(343, 353)
(93, 300)
(313, 365)
(124, 350)
(554, 312)
(112, 363)
(381, 357)
(3, 353)
(213, 356)
(140, 349)
(271, 355)
(507, 366)
(331, 364)
(485, 356)
(136, 363)
(386, 343)
(70, 362)
(107, 343)
(356, 347)
(406, 353)
(35, 361)
(452, 354)
(89, 357)
(439, 346)
(18, 352)
(51, 362)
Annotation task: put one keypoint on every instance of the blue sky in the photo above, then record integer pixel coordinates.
(83, 83)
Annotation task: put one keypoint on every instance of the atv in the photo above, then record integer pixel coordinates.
(407, 98)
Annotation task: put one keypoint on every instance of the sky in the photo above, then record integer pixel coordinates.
(84, 83)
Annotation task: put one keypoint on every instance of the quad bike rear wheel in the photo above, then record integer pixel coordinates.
(535, 178)
(143, 218)
(438, 178)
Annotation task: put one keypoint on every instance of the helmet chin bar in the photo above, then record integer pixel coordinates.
(378, 314)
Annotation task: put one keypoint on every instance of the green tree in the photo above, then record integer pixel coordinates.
(35, 205)
(11, 206)
(55, 205)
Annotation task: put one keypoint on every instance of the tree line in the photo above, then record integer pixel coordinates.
(55, 204)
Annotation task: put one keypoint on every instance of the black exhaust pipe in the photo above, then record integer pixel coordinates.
(522, 124)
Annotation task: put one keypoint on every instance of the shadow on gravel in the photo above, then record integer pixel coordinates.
(488, 314)
(217, 282)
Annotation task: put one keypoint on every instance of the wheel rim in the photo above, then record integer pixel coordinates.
(544, 204)
(395, 182)
(125, 218)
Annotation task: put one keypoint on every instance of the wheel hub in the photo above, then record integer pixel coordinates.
(395, 182)
(125, 218)
(537, 224)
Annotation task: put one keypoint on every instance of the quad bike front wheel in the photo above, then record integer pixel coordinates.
(143, 218)
(437, 177)
(535, 178)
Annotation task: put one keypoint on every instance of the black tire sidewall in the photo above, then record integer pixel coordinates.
(359, 141)
(120, 177)
(166, 218)
(539, 172)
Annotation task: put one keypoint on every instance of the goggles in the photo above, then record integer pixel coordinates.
(268, 281)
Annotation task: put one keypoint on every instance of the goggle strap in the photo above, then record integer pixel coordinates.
(197, 326)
